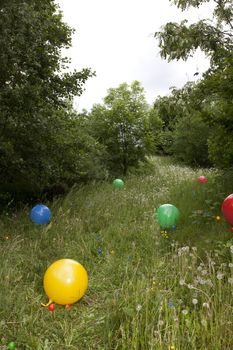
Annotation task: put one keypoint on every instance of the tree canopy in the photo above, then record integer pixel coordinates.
(35, 91)
(121, 124)
(212, 96)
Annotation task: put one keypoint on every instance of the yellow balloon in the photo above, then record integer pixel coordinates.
(65, 282)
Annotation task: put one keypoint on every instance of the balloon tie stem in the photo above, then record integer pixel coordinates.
(48, 303)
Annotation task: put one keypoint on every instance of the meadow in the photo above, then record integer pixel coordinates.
(146, 291)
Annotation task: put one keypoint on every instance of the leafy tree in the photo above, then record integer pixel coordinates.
(122, 126)
(156, 127)
(35, 89)
(172, 109)
(190, 140)
(179, 41)
(214, 92)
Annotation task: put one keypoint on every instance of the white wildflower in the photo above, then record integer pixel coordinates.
(184, 312)
(179, 252)
(230, 280)
(209, 283)
(138, 307)
(206, 305)
(161, 323)
(231, 249)
(194, 301)
(201, 281)
(182, 282)
(190, 286)
(220, 276)
(204, 272)
(230, 265)
(185, 249)
(199, 268)
(203, 322)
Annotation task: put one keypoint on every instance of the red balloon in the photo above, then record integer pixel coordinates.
(51, 307)
(202, 179)
(227, 208)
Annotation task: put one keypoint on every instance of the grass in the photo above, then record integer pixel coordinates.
(145, 291)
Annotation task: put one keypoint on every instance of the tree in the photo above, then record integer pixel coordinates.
(172, 109)
(122, 126)
(179, 41)
(190, 140)
(214, 92)
(35, 90)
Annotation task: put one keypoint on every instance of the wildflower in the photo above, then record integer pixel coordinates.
(203, 322)
(172, 347)
(170, 304)
(194, 301)
(230, 265)
(231, 249)
(100, 251)
(182, 282)
(199, 268)
(161, 323)
(220, 276)
(230, 280)
(138, 307)
(204, 272)
(201, 281)
(190, 286)
(206, 305)
(194, 249)
(209, 283)
(184, 312)
(185, 249)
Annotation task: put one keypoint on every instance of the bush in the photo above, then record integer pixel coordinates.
(221, 146)
(190, 140)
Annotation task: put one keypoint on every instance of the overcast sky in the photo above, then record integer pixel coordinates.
(116, 39)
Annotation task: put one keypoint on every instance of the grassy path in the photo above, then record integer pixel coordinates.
(145, 292)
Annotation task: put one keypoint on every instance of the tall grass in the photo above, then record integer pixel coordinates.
(145, 291)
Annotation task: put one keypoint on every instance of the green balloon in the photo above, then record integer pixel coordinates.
(11, 345)
(167, 215)
(118, 183)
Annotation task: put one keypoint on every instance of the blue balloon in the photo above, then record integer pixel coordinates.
(40, 214)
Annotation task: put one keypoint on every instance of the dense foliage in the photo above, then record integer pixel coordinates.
(200, 115)
(122, 126)
(35, 95)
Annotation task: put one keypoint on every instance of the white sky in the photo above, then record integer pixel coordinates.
(116, 39)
